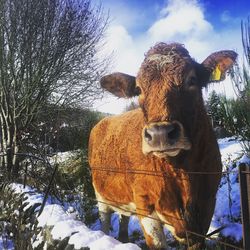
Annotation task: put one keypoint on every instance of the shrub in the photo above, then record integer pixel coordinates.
(17, 222)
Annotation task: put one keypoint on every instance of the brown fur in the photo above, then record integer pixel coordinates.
(185, 201)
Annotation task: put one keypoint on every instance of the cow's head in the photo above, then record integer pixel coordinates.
(169, 85)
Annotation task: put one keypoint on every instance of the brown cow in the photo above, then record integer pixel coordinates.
(144, 161)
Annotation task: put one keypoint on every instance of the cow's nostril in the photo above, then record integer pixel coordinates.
(148, 136)
(175, 132)
(158, 135)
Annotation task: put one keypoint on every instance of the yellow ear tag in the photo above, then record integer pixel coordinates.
(216, 74)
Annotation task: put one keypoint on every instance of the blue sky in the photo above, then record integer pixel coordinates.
(203, 26)
(222, 14)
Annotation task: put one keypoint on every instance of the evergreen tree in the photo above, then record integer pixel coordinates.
(213, 108)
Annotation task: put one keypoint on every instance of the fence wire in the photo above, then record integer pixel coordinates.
(164, 175)
(188, 232)
(161, 173)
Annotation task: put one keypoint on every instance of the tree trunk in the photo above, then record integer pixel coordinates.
(9, 148)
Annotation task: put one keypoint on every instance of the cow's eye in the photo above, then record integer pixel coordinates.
(192, 81)
(137, 90)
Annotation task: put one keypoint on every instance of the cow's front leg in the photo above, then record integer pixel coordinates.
(123, 230)
(105, 217)
(153, 231)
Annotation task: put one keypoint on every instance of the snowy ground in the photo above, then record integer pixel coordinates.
(65, 223)
(228, 211)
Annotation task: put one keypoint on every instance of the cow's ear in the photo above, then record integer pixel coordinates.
(217, 64)
(120, 84)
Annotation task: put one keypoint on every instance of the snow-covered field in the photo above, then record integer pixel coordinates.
(228, 211)
(65, 224)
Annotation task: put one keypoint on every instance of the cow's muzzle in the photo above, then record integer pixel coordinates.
(164, 139)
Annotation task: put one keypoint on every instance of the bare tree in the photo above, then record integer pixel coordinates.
(239, 109)
(48, 54)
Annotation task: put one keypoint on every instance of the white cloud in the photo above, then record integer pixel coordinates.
(123, 47)
(112, 104)
(180, 19)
